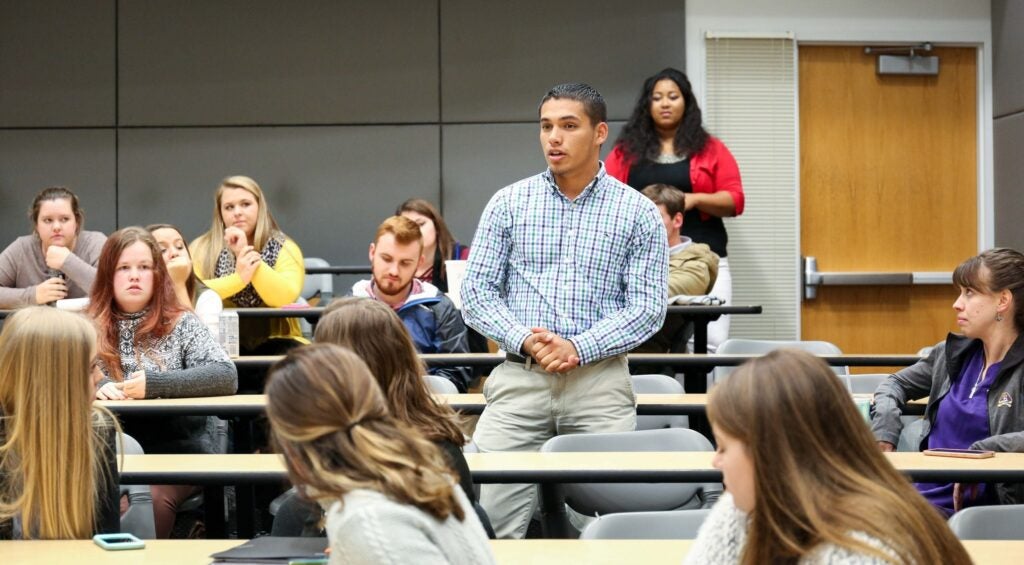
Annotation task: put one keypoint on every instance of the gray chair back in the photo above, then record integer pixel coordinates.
(606, 498)
(676, 524)
(658, 384)
(313, 284)
(866, 383)
(1005, 522)
(762, 346)
(138, 519)
(440, 385)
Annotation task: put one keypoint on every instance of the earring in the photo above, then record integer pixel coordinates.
(999, 317)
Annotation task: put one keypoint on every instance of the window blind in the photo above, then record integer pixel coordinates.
(751, 102)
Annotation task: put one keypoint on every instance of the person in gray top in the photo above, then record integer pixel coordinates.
(150, 346)
(973, 381)
(57, 260)
(389, 493)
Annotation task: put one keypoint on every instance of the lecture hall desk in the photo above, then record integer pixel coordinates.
(537, 552)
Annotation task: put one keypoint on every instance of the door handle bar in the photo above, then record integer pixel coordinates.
(813, 278)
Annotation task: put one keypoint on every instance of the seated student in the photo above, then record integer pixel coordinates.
(374, 332)
(389, 494)
(432, 320)
(150, 346)
(973, 381)
(178, 261)
(251, 263)
(58, 260)
(439, 245)
(804, 481)
(58, 469)
(692, 267)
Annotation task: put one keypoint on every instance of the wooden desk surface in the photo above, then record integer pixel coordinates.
(537, 552)
(536, 467)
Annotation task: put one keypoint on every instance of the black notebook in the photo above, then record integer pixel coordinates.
(271, 549)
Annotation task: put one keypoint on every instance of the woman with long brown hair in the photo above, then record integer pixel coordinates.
(377, 335)
(804, 480)
(388, 492)
(971, 380)
(439, 245)
(58, 471)
(151, 346)
(250, 262)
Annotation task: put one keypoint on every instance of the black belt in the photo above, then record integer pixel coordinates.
(515, 358)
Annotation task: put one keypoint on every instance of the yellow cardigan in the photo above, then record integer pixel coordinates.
(277, 286)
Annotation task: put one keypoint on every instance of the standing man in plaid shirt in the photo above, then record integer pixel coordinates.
(568, 273)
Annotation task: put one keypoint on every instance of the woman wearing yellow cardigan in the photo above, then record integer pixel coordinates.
(247, 260)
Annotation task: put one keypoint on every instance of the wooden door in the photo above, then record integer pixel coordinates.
(888, 177)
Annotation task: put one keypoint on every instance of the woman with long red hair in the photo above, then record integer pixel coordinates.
(151, 346)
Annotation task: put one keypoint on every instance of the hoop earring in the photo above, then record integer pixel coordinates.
(999, 317)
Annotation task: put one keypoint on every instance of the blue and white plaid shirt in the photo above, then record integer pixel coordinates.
(593, 270)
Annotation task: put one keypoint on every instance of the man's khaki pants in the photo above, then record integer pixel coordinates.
(528, 406)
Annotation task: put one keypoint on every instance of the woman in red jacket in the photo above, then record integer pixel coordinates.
(665, 142)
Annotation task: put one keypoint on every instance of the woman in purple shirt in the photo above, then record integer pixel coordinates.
(973, 381)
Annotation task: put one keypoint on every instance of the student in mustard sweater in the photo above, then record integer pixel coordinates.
(250, 262)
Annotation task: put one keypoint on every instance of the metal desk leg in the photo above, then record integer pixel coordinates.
(695, 379)
(554, 519)
(213, 513)
(245, 510)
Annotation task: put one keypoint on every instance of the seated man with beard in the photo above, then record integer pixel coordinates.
(434, 323)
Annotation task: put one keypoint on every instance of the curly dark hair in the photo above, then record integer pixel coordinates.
(639, 138)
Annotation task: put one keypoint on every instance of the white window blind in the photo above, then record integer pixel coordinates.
(751, 106)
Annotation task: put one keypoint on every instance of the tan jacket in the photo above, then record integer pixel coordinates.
(692, 271)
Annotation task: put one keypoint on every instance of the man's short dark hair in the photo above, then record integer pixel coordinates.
(593, 102)
(673, 199)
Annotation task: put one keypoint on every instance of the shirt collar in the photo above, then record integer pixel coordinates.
(684, 242)
(587, 191)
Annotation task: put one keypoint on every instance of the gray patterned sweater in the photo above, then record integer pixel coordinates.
(187, 362)
(723, 535)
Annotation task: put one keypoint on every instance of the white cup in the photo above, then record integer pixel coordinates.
(456, 271)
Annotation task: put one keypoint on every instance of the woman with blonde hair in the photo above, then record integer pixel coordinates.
(58, 471)
(250, 262)
(388, 492)
(151, 346)
(804, 480)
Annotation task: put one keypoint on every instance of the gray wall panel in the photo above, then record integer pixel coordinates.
(1009, 138)
(31, 160)
(500, 58)
(481, 159)
(271, 62)
(56, 63)
(328, 187)
(1007, 57)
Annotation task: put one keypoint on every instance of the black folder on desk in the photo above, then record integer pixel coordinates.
(269, 549)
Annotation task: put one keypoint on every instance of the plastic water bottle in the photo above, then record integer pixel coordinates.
(229, 332)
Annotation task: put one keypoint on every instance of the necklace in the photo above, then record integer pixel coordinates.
(981, 378)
